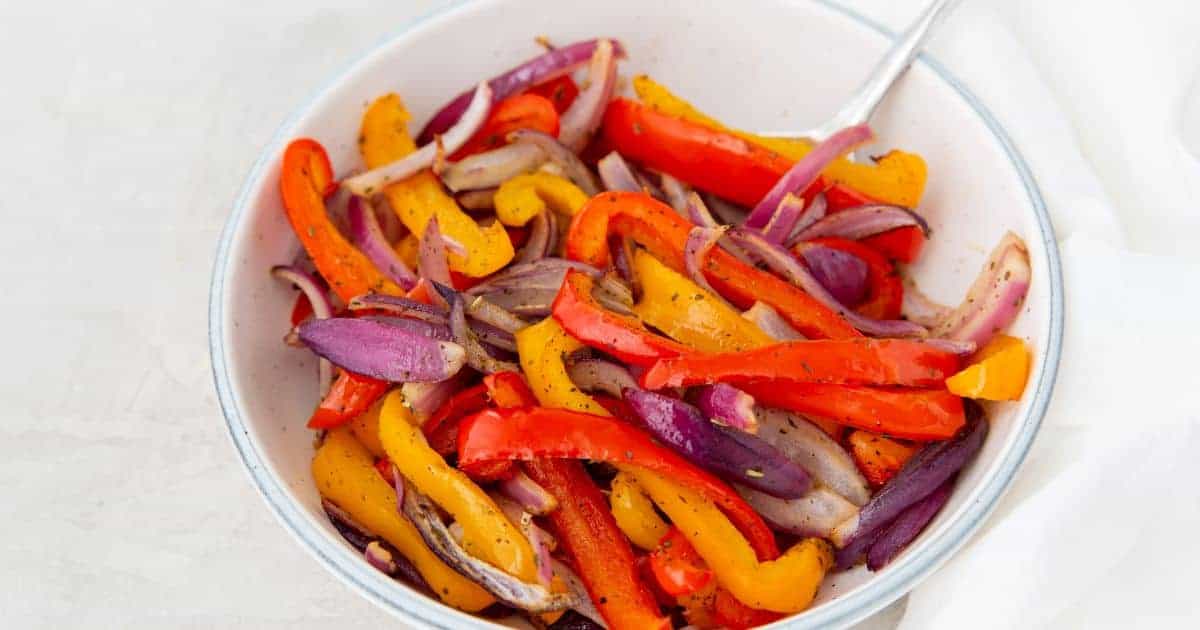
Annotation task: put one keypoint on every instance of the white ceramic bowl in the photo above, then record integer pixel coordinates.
(756, 65)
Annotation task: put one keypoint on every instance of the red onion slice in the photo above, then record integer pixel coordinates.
(354, 532)
(368, 236)
(532, 597)
(539, 539)
(678, 194)
(488, 313)
(843, 274)
(783, 222)
(440, 332)
(426, 398)
(932, 466)
(726, 212)
(907, 526)
(531, 302)
(699, 243)
(472, 119)
(529, 494)
(399, 305)
(782, 262)
(322, 309)
(863, 221)
(816, 452)
(583, 117)
(382, 350)
(575, 585)
(380, 558)
(476, 355)
(728, 406)
(598, 375)
(806, 170)
(769, 321)
(477, 199)
(953, 346)
(995, 298)
(561, 154)
(814, 212)
(492, 168)
(552, 64)
(537, 247)
(616, 175)
(814, 514)
(431, 254)
(697, 212)
(729, 453)
(917, 306)
(556, 267)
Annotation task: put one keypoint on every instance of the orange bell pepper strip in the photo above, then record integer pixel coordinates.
(839, 361)
(878, 458)
(521, 111)
(658, 228)
(676, 566)
(786, 584)
(345, 473)
(885, 290)
(384, 138)
(528, 434)
(348, 398)
(914, 414)
(509, 389)
(902, 244)
(999, 372)
(709, 159)
(896, 178)
(305, 179)
(586, 531)
(619, 335)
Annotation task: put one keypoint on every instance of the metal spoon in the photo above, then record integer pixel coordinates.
(862, 105)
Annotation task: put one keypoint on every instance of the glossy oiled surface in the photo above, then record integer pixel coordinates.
(803, 59)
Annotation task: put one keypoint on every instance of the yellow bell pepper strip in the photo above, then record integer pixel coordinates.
(306, 177)
(688, 314)
(543, 349)
(487, 533)
(345, 473)
(366, 429)
(785, 585)
(384, 138)
(999, 372)
(896, 178)
(635, 513)
(525, 196)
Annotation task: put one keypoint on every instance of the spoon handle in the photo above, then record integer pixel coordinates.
(866, 99)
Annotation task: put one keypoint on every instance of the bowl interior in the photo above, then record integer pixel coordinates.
(756, 65)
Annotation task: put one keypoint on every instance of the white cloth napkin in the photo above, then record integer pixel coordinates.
(1103, 99)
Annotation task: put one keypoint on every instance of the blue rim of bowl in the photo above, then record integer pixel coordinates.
(889, 586)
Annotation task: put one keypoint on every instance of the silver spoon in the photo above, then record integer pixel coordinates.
(863, 104)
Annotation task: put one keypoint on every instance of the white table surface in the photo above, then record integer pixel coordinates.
(126, 135)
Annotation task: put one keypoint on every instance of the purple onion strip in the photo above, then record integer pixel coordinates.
(817, 453)
(549, 65)
(559, 153)
(769, 321)
(582, 118)
(783, 222)
(322, 309)
(382, 350)
(806, 170)
(863, 221)
(907, 526)
(616, 175)
(728, 406)
(843, 274)
(368, 236)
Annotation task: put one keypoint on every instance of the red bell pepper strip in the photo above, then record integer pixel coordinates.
(619, 335)
(522, 111)
(902, 244)
(384, 466)
(561, 91)
(305, 179)
(301, 310)
(509, 389)
(915, 414)
(709, 159)
(538, 432)
(728, 612)
(664, 233)
(677, 567)
(441, 429)
(588, 533)
(885, 290)
(350, 396)
(839, 361)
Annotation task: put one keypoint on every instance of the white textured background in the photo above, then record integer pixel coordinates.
(127, 129)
